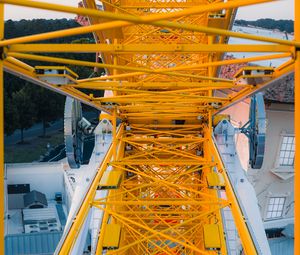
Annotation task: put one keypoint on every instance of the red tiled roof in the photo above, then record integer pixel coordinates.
(281, 91)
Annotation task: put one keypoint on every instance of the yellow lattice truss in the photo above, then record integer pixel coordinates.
(162, 59)
(163, 201)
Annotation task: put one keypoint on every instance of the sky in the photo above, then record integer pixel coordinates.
(283, 9)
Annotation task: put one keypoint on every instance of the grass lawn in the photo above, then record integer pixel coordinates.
(31, 151)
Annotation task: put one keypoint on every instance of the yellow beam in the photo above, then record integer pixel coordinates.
(93, 64)
(231, 61)
(75, 228)
(164, 140)
(154, 19)
(169, 182)
(194, 67)
(146, 48)
(20, 64)
(174, 162)
(122, 86)
(107, 15)
(28, 75)
(164, 202)
(287, 68)
(297, 130)
(161, 161)
(190, 93)
(157, 107)
(240, 222)
(153, 232)
(202, 215)
(159, 233)
(2, 175)
(146, 98)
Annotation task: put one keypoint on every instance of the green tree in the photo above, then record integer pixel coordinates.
(49, 105)
(282, 25)
(24, 109)
(9, 115)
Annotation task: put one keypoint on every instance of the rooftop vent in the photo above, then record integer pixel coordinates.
(35, 199)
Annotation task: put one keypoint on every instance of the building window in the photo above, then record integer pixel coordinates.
(275, 207)
(287, 151)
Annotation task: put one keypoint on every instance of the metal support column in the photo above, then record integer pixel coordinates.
(297, 128)
(2, 210)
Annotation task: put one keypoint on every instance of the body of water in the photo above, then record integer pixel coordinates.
(260, 32)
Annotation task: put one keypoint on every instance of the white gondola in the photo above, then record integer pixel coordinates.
(253, 75)
(58, 75)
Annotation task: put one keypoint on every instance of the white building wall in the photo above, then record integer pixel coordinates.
(43, 177)
(239, 116)
(272, 180)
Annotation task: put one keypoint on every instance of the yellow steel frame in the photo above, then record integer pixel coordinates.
(161, 60)
(2, 175)
(297, 129)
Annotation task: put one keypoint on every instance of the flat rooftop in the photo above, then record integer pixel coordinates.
(14, 222)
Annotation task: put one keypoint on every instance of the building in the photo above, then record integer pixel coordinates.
(40, 196)
(34, 219)
(35, 199)
(274, 182)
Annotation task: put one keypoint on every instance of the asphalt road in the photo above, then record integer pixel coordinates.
(37, 130)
